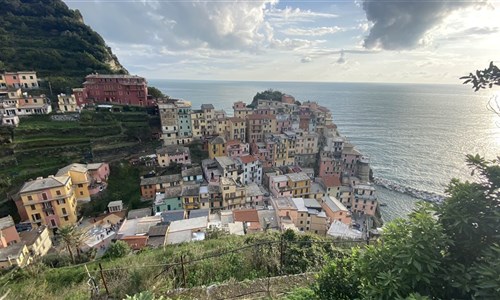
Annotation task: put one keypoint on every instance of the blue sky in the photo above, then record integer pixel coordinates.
(345, 41)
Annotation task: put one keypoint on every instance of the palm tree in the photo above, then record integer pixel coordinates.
(67, 234)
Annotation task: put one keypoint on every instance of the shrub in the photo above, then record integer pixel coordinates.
(117, 249)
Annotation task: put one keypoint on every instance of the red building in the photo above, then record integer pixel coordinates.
(116, 89)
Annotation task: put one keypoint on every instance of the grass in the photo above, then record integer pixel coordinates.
(145, 270)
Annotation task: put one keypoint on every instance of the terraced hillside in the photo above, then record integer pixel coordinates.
(41, 145)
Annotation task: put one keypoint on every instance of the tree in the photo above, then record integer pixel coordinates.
(67, 235)
(406, 260)
(486, 78)
(155, 92)
(117, 249)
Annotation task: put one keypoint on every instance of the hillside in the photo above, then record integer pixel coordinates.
(227, 258)
(48, 37)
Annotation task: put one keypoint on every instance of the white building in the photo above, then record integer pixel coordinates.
(252, 169)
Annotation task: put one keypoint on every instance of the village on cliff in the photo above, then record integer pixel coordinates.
(272, 165)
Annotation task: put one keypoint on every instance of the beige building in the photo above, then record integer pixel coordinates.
(258, 125)
(303, 213)
(37, 240)
(15, 255)
(67, 103)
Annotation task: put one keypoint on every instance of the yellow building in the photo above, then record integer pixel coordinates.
(15, 255)
(241, 110)
(217, 147)
(236, 129)
(300, 184)
(80, 178)
(67, 103)
(258, 125)
(37, 241)
(191, 196)
(3, 84)
(198, 123)
(49, 201)
(233, 195)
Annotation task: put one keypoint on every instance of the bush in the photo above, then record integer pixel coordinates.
(55, 260)
(117, 249)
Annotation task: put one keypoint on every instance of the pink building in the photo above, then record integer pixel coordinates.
(117, 89)
(99, 173)
(278, 185)
(335, 210)
(8, 232)
(80, 96)
(235, 148)
(173, 154)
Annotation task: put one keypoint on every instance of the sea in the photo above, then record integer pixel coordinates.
(416, 135)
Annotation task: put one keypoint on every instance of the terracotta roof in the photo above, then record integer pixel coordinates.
(248, 159)
(233, 142)
(136, 242)
(331, 180)
(246, 215)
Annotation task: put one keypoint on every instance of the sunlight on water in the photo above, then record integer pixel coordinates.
(416, 135)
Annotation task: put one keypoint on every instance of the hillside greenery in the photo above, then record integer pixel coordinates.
(41, 145)
(48, 37)
(207, 262)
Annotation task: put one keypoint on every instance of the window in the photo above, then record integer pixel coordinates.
(81, 193)
(44, 196)
(66, 218)
(30, 198)
(64, 211)
(80, 185)
(33, 207)
(58, 193)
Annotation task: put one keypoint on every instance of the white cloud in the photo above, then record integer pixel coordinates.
(317, 31)
(295, 15)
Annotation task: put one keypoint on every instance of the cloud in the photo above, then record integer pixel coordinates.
(481, 30)
(180, 25)
(404, 24)
(306, 59)
(317, 31)
(290, 15)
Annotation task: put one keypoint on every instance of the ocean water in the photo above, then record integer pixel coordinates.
(415, 135)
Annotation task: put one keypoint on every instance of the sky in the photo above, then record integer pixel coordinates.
(405, 41)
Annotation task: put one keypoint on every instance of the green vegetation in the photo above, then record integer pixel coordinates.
(159, 270)
(445, 252)
(155, 93)
(48, 37)
(117, 249)
(41, 146)
(123, 184)
(269, 94)
(197, 153)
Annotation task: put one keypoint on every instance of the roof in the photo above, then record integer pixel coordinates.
(268, 216)
(316, 188)
(170, 216)
(94, 166)
(196, 213)
(161, 179)
(331, 181)
(311, 203)
(190, 190)
(157, 230)
(72, 167)
(192, 171)
(172, 192)
(224, 161)
(138, 226)
(207, 106)
(218, 141)
(139, 213)
(6, 222)
(279, 178)
(136, 242)
(214, 189)
(299, 203)
(245, 159)
(115, 203)
(188, 224)
(283, 203)
(13, 251)
(246, 215)
(253, 190)
(333, 204)
(339, 229)
(172, 150)
(44, 183)
(113, 76)
(30, 237)
(298, 176)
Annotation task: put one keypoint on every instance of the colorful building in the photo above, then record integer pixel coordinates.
(116, 89)
(80, 179)
(20, 79)
(252, 169)
(67, 103)
(258, 125)
(50, 201)
(152, 185)
(217, 147)
(173, 154)
(8, 232)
